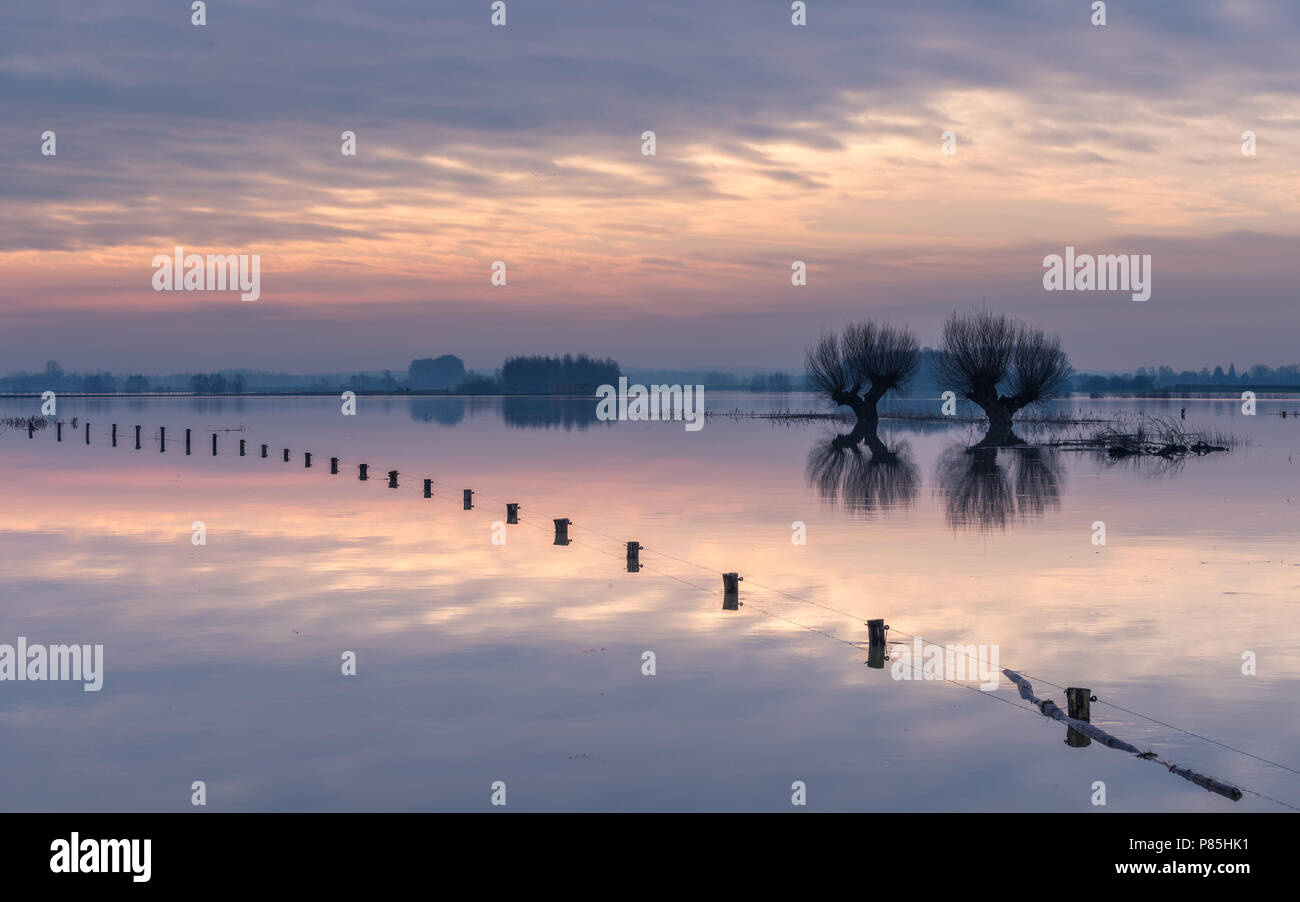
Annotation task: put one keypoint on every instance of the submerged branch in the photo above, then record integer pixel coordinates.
(1150, 436)
(1049, 709)
(794, 416)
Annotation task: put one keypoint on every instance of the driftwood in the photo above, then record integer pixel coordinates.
(1050, 709)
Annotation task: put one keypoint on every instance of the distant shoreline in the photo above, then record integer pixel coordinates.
(1188, 392)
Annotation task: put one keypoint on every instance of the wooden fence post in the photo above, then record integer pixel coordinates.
(562, 530)
(469, 499)
(428, 488)
(876, 656)
(1079, 702)
(731, 591)
(634, 557)
(512, 512)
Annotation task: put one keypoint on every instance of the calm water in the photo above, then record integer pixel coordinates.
(522, 662)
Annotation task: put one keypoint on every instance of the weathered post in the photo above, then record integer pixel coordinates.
(1080, 705)
(58, 432)
(334, 466)
(876, 656)
(162, 439)
(31, 427)
(633, 557)
(512, 512)
(731, 591)
(562, 530)
(876, 632)
(87, 432)
(187, 440)
(364, 472)
(264, 450)
(214, 444)
(392, 479)
(137, 438)
(469, 499)
(114, 435)
(428, 488)
(306, 459)
(286, 455)
(241, 447)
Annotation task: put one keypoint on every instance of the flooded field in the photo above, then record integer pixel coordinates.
(520, 661)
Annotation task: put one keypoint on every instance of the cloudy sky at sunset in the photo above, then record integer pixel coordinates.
(775, 143)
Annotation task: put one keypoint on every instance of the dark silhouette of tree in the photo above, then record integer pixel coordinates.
(445, 372)
(98, 383)
(211, 384)
(547, 375)
(136, 383)
(771, 382)
(1001, 365)
(861, 365)
(479, 384)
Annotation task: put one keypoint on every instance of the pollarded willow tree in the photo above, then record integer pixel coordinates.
(1003, 366)
(862, 364)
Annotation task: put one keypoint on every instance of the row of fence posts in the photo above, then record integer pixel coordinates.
(730, 581)
(1078, 699)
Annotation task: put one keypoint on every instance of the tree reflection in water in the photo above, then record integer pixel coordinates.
(987, 488)
(865, 482)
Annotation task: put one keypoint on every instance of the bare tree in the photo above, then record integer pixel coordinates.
(860, 366)
(982, 353)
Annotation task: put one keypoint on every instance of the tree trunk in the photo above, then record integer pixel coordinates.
(855, 403)
(863, 406)
(1001, 431)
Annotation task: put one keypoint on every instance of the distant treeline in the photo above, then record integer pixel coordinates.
(551, 375)
(580, 374)
(518, 375)
(1156, 378)
(528, 375)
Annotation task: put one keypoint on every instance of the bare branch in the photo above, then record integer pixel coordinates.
(1040, 370)
(879, 358)
(884, 356)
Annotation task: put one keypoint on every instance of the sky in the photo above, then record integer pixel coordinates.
(774, 143)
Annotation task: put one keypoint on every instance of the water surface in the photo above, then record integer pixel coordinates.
(522, 662)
